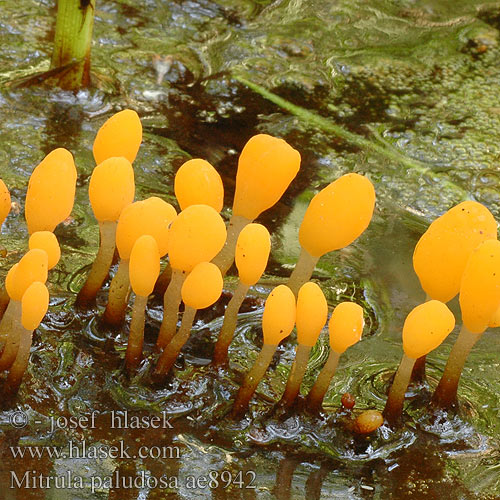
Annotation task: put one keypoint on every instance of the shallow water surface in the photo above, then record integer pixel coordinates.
(420, 80)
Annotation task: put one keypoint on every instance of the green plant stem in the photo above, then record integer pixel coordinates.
(72, 41)
(384, 150)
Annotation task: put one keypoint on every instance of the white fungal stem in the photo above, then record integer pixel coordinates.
(320, 387)
(173, 349)
(252, 379)
(135, 343)
(171, 303)
(302, 272)
(101, 265)
(229, 324)
(224, 259)
(394, 404)
(119, 291)
(296, 374)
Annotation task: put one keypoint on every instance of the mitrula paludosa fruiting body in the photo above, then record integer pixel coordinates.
(144, 268)
(442, 252)
(335, 217)
(196, 235)
(278, 321)
(424, 329)
(312, 312)
(345, 328)
(479, 302)
(111, 189)
(251, 256)
(266, 167)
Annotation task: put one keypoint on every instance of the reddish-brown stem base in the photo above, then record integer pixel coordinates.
(445, 394)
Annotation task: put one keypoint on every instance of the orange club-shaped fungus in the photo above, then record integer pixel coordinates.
(312, 312)
(120, 135)
(479, 303)
(111, 189)
(442, 252)
(335, 217)
(345, 328)
(278, 321)
(47, 241)
(201, 289)
(34, 305)
(51, 191)
(196, 183)
(424, 329)
(151, 216)
(32, 267)
(144, 268)
(266, 167)
(252, 253)
(196, 235)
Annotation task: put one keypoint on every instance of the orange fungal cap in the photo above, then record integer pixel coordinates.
(441, 253)
(279, 315)
(51, 191)
(198, 183)
(252, 252)
(495, 320)
(337, 215)
(480, 286)
(345, 326)
(34, 305)
(144, 266)
(32, 267)
(202, 286)
(111, 188)
(46, 240)
(10, 279)
(312, 311)
(426, 327)
(266, 167)
(197, 235)
(151, 216)
(5, 202)
(120, 135)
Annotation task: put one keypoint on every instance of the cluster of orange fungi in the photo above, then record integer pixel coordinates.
(459, 253)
